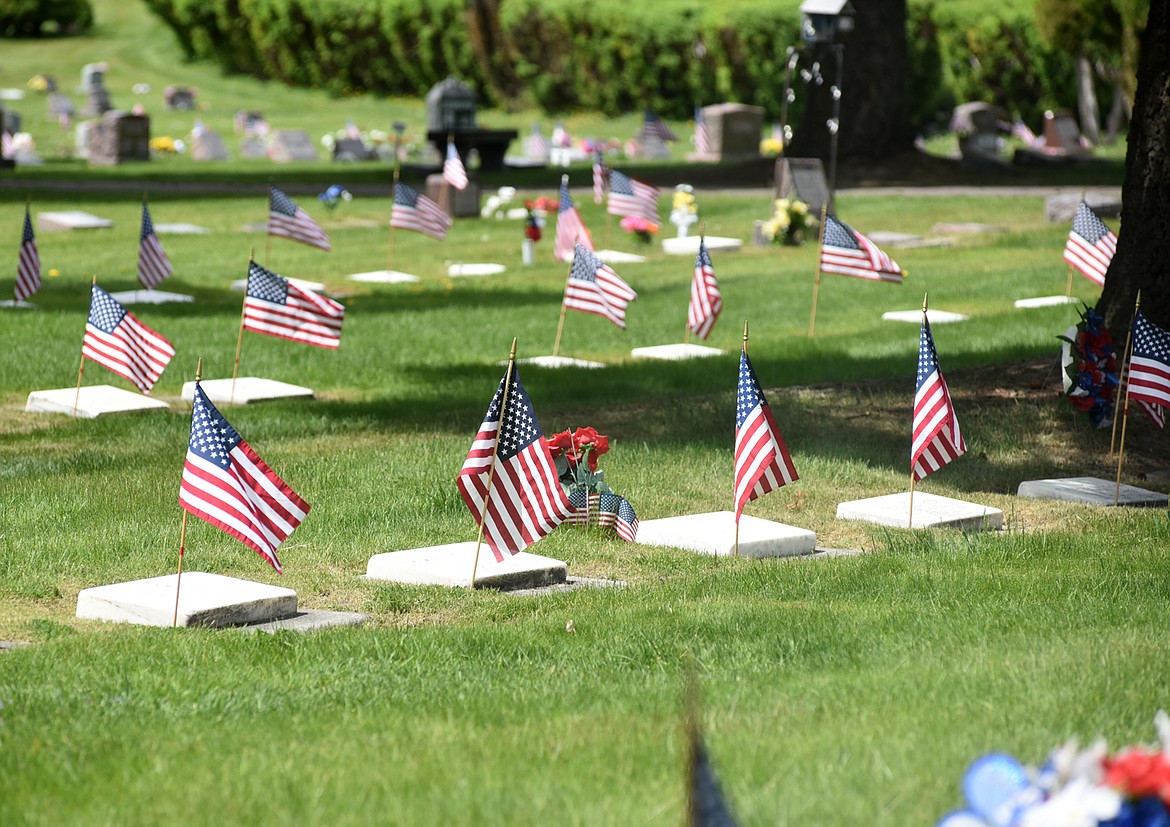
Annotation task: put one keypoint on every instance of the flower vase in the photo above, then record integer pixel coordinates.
(682, 230)
(528, 252)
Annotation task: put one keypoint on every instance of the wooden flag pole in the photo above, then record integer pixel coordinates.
(390, 244)
(1125, 358)
(1068, 286)
(735, 548)
(1124, 413)
(910, 516)
(564, 295)
(183, 530)
(812, 319)
(81, 367)
(492, 467)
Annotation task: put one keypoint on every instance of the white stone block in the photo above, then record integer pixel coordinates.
(930, 511)
(204, 600)
(618, 257)
(689, 246)
(240, 285)
(451, 564)
(1045, 301)
(150, 297)
(71, 220)
(1091, 491)
(675, 353)
(714, 533)
(556, 362)
(17, 305)
(248, 389)
(93, 401)
(384, 277)
(915, 316)
(180, 228)
(460, 270)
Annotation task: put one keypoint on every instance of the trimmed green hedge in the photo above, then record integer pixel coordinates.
(607, 55)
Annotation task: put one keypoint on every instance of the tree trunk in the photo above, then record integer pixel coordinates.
(491, 48)
(1143, 243)
(1087, 110)
(875, 102)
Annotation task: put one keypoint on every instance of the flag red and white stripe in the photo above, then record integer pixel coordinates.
(593, 287)
(706, 300)
(414, 211)
(600, 176)
(28, 265)
(937, 439)
(762, 462)
(520, 498)
(571, 230)
(277, 307)
(1090, 246)
(454, 173)
(629, 196)
(228, 485)
(153, 264)
(287, 220)
(848, 253)
(1149, 366)
(115, 339)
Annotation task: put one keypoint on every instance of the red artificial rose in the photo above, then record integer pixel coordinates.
(588, 440)
(562, 443)
(1140, 774)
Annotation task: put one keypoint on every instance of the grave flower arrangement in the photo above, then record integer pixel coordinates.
(1090, 367)
(533, 220)
(789, 223)
(575, 454)
(332, 196)
(1073, 788)
(641, 228)
(166, 145)
(684, 209)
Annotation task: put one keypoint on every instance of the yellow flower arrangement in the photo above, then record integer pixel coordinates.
(163, 145)
(771, 146)
(790, 219)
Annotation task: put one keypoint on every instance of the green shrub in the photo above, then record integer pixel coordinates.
(44, 18)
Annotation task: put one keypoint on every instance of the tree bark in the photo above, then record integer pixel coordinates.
(1142, 260)
(875, 102)
(1087, 109)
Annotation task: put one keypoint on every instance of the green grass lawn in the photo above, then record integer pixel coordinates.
(839, 690)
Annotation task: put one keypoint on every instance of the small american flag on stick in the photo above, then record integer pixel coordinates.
(848, 253)
(1090, 246)
(1149, 366)
(115, 339)
(571, 230)
(153, 264)
(287, 220)
(414, 211)
(28, 266)
(706, 300)
(629, 196)
(454, 173)
(762, 462)
(593, 287)
(275, 306)
(937, 439)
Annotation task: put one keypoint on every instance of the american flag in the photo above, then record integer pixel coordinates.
(571, 230)
(226, 484)
(937, 439)
(654, 125)
(600, 176)
(629, 196)
(1149, 366)
(7, 145)
(608, 510)
(594, 287)
(1090, 245)
(706, 301)
(525, 501)
(414, 211)
(28, 266)
(153, 264)
(702, 137)
(537, 144)
(453, 171)
(762, 462)
(848, 253)
(115, 339)
(275, 306)
(287, 220)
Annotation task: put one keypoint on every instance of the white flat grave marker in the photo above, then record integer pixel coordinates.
(1045, 301)
(17, 305)
(458, 270)
(930, 511)
(915, 316)
(618, 257)
(689, 246)
(248, 389)
(241, 285)
(180, 228)
(1091, 491)
(309, 620)
(384, 277)
(92, 402)
(885, 238)
(556, 362)
(204, 600)
(71, 220)
(11, 94)
(450, 565)
(675, 353)
(150, 297)
(714, 533)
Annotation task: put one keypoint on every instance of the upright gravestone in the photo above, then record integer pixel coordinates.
(804, 178)
(179, 98)
(207, 145)
(59, 106)
(352, 149)
(97, 101)
(118, 137)
(462, 203)
(292, 145)
(1062, 135)
(733, 130)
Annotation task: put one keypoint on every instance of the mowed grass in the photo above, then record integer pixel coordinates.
(841, 690)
